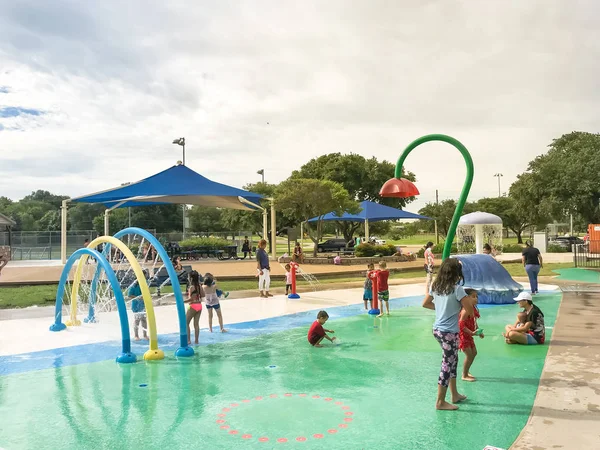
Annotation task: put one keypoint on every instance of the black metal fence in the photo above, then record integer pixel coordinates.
(587, 255)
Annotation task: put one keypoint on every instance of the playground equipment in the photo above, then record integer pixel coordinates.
(401, 187)
(309, 278)
(294, 266)
(493, 283)
(375, 302)
(497, 286)
(478, 228)
(106, 285)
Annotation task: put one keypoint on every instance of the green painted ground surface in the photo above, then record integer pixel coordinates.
(383, 379)
(577, 274)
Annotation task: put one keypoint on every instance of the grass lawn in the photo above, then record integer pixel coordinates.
(44, 295)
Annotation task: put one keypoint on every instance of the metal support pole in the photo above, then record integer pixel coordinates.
(273, 231)
(107, 222)
(571, 225)
(265, 225)
(183, 225)
(63, 231)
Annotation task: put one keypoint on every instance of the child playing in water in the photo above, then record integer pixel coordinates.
(139, 310)
(288, 279)
(368, 286)
(212, 301)
(382, 286)
(316, 333)
(467, 324)
(219, 292)
(195, 295)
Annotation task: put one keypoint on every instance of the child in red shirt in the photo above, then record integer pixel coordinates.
(317, 332)
(468, 328)
(382, 286)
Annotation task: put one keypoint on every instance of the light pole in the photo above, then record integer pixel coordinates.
(128, 213)
(498, 175)
(262, 173)
(181, 141)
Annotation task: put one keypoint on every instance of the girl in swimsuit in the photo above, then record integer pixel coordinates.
(195, 295)
(467, 324)
(212, 301)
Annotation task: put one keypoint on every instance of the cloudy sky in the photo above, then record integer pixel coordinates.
(93, 93)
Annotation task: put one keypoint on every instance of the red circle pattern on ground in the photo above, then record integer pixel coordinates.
(282, 440)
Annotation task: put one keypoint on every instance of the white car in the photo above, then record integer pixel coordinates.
(377, 240)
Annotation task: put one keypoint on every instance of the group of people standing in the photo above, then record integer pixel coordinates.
(456, 315)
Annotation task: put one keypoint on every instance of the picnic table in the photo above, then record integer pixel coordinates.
(222, 253)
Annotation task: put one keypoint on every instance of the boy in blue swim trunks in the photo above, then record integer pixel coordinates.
(139, 310)
(368, 288)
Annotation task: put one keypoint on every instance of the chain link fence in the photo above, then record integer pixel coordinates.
(39, 245)
(35, 245)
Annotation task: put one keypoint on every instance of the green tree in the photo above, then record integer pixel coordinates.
(442, 212)
(514, 216)
(161, 218)
(252, 221)
(204, 218)
(50, 221)
(530, 205)
(565, 179)
(117, 220)
(302, 199)
(5, 202)
(27, 213)
(81, 216)
(45, 197)
(361, 177)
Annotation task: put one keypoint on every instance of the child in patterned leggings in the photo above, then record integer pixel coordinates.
(446, 298)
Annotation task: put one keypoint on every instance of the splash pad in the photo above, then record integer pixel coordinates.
(116, 270)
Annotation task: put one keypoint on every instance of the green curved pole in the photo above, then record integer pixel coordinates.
(466, 187)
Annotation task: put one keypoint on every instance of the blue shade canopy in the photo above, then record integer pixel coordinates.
(178, 184)
(373, 212)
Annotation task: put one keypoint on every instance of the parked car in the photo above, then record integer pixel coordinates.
(331, 245)
(567, 241)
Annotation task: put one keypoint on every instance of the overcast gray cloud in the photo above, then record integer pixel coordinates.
(117, 81)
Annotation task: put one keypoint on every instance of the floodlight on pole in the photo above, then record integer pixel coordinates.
(498, 175)
(181, 141)
(262, 173)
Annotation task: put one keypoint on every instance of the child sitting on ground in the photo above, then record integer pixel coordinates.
(288, 279)
(368, 286)
(382, 286)
(467, 327)
(519, 324)
(134, 293)
(316, 333)
(212, 301)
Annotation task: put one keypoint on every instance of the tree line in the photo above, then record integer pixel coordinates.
(556, 184)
